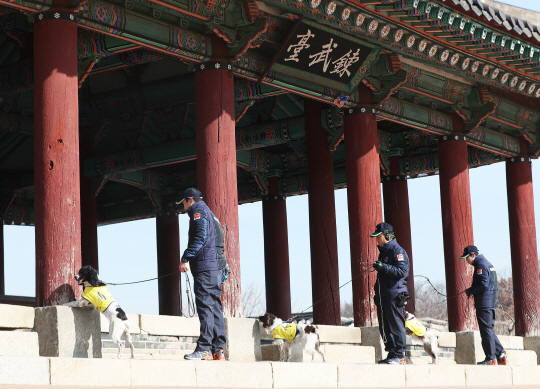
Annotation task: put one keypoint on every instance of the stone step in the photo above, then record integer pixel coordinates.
(425, 360)
(81, 372)
(153, 345)
(521, 358)
(19, 344)
(157, 354)
(333, 353)
(422, 353)
(15, 316)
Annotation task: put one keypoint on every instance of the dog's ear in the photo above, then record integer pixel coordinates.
(93, 277)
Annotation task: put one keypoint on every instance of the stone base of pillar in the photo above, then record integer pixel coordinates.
(243, 340)
(372, 337)
(469, 348)
(68, 332)
(532, 343)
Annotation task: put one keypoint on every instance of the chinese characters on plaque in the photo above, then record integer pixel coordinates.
(316, 54)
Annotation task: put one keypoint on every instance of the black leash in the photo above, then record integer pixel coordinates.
(189, 292)
(190, 300)
(138, 282)
(331, 293)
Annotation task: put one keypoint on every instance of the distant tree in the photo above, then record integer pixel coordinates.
(504, 312)
(347, 309)
(431, 300)
(253, 303)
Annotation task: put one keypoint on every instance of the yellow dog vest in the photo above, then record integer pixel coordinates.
(415, 327)
(99, 296)
(285, 331)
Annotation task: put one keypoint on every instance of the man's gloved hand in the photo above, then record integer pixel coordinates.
(377, 265)
(468, 292)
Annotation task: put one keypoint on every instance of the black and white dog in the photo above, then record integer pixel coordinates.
(97, 295)
(287, 334)
(414, 328)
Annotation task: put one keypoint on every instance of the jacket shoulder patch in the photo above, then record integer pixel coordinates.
(400, 257)
(196, 216)
(479, 271)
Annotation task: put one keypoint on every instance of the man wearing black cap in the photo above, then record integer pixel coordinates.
(391, 294)
(485, 291)
(203, 260)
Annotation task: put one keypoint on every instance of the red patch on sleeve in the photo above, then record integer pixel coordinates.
(197, 216)
(400, 257)
(479, 271)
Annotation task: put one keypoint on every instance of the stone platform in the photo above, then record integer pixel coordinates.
(126, 372)
(71, 346)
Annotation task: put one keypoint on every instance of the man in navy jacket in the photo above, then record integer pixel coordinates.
(485, 291)
(207, 278)
(391, 293)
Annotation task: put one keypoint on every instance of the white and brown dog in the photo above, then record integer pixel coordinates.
(287, 334)
(97, 295)
(414, 328)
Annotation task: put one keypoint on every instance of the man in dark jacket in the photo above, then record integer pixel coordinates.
(391, 293)
(485, 291)
(202, 256)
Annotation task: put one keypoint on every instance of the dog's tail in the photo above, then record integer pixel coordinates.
(121, 314)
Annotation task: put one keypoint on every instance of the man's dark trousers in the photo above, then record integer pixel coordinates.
(391, 320)
(490, 343)
(208, 302)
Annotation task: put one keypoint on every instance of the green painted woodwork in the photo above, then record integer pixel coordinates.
(121, 22)
(367, 24)
(415, 115)
(429, 163)
(492, 140)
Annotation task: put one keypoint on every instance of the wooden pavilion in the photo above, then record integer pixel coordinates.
(111, 108)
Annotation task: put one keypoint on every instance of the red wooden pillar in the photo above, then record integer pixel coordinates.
(322, 220)
(396, 212)
(364, 204)
(168, 259)
(216, 165)
(523, 245)
(89, 213)
(56, 157)
(276, 252)
(457, 227)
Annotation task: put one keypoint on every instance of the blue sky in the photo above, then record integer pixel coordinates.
(127, 251)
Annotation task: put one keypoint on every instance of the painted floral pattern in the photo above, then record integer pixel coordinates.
(444, 55)
(385, 31)
(398, 35)
(331, 7)
(373, 26)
